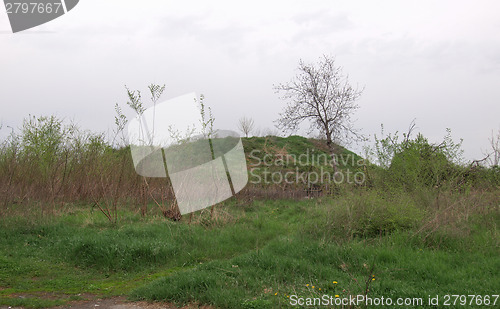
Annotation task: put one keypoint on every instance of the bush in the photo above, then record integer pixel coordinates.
(413, 164)
(363, 214)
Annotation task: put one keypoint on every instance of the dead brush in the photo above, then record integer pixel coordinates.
(218, 218)
(451, 213)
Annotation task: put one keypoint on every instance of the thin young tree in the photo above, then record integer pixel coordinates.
(321, 94)
(246, 125)
(495, 149)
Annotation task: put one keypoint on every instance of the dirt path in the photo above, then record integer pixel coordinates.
(114, 303)
(117, 303)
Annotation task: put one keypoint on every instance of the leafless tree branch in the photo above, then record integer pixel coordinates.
(322, 95)
(246, 125)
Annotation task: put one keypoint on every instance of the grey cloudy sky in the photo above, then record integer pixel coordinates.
(434, 61)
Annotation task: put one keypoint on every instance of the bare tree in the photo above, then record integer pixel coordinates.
(321, 94)
(495, 148)
(246, 125)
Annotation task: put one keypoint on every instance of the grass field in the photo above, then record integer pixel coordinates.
(78, 222)
(257, 254)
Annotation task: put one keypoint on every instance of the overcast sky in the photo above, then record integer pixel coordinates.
(434, 61)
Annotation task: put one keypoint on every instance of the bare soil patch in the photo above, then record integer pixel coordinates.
(118, 303)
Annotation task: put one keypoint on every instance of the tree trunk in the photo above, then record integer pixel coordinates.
(331, 148)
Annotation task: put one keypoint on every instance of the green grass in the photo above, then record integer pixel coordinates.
(286, 265)
(79, 252)
(256, 255)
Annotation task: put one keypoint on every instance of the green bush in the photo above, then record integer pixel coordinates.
(414, 164)
(363, 214)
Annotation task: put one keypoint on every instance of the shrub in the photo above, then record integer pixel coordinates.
(363, 214)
